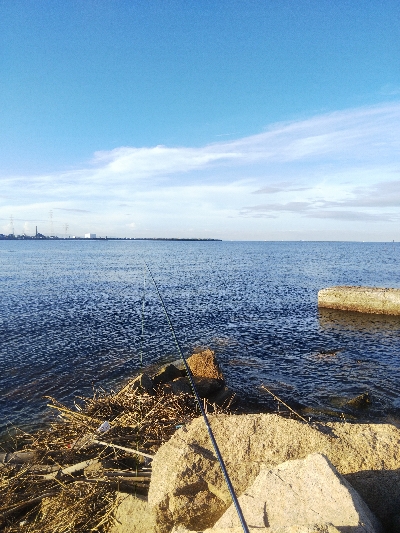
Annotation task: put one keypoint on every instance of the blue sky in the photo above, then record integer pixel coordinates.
(251, 120)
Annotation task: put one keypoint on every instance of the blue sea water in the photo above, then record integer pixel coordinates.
(71, 322)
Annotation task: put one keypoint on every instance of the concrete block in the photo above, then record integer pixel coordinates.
(361, 299)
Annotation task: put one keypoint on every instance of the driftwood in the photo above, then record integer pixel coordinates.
(17, 458)
(135, 479)
(69, 469)
(123, 448)
(263, 387)
(73, 414)
(44, 483)
(125, 473)
(141, 488)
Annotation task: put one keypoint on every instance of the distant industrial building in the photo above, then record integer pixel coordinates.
(90, 235)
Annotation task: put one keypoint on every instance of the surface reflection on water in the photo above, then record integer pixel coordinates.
(351, 320)
(70, 319)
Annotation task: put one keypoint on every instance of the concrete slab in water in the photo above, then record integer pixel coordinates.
(362, 299)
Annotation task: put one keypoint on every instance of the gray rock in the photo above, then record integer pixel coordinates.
(302, 492)
(132, 514)
(361, 299)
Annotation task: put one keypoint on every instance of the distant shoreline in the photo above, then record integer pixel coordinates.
(44, 238)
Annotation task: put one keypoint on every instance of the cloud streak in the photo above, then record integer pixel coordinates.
(333, 167)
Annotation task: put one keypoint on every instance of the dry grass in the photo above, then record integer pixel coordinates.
(44, 495)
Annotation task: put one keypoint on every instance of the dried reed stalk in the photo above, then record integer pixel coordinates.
(70, 482)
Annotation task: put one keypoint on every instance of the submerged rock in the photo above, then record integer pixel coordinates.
(359, 402)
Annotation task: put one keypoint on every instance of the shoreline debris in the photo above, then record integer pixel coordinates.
(66, 477)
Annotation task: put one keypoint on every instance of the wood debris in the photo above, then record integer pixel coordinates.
(64, 478)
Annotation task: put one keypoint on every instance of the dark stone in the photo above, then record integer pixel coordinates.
(223, 398)
(166, 374)
(143, 382)
(394, 523)
(207, 386)
(181, 386)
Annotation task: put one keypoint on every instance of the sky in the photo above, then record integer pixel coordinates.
(236, 120)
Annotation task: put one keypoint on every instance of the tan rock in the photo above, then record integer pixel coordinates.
(302, 493)
(133, 515)
(204, 365)
(362, 299)
(315, 528)
(366, 454)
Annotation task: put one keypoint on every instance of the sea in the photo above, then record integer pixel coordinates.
(79, 317)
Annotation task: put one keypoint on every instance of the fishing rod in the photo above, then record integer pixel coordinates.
(203, 413)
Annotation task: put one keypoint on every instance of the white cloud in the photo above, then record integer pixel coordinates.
(332, 167)
(352, 215)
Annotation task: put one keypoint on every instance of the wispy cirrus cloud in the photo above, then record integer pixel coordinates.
(332, 166)
(352, 215)
(280, 187)
(291, 207)
(377, 197)
(71, 210)
(382, 194)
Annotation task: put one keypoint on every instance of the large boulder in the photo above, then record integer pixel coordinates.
(302, 492)
(366, 454)
(207, 376)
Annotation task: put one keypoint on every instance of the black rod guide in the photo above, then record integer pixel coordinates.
(203, 413)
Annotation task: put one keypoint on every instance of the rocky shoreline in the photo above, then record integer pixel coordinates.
(188, 493)
(140, 460)
(188, 490)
